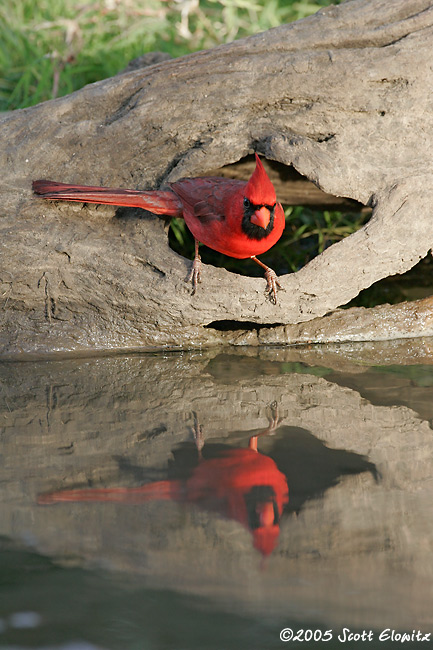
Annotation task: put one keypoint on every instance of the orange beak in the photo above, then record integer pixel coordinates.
(266, 513)
(261, 217)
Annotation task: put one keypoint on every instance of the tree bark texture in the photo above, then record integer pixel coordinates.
(344, 96)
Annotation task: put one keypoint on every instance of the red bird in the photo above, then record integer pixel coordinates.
(240, 219)
(241, 484)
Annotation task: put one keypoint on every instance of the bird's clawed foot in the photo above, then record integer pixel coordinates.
(272, 285)
(194, 275)
(197, 431)
(274, 419)
(271, 279)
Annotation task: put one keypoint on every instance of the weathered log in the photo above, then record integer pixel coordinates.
(344, 96)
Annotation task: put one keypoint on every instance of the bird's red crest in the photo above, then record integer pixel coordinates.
(260, 190)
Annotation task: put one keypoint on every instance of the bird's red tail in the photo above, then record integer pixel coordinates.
(157, 491)
(158, 201)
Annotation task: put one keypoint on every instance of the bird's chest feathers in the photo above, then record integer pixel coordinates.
(226, 235)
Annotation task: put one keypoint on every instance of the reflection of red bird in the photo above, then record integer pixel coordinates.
(240, 484)
(240, 219)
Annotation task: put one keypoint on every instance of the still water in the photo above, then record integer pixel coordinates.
(218, 500)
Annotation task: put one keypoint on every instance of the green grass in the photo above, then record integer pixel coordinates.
(50, 48)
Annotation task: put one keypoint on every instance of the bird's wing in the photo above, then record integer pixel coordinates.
(206, 198)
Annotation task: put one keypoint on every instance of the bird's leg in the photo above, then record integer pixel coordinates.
(197, 432)
(195, 273)
(271, 279)
(274, 421)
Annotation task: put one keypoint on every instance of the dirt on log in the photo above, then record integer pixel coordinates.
(344, 96)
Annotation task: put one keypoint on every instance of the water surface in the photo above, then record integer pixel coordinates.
(209, 500)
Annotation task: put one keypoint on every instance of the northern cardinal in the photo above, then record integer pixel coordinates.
(240, 484)
(240, 219)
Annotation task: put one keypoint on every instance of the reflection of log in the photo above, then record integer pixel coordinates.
(342, 96)
(107, 422)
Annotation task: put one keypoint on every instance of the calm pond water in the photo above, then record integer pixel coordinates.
(218, 500)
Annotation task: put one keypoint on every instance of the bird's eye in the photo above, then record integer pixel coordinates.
(247, 203)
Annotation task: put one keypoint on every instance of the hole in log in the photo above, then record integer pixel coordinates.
(234, 325)
(314, 221)
(415, 284)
